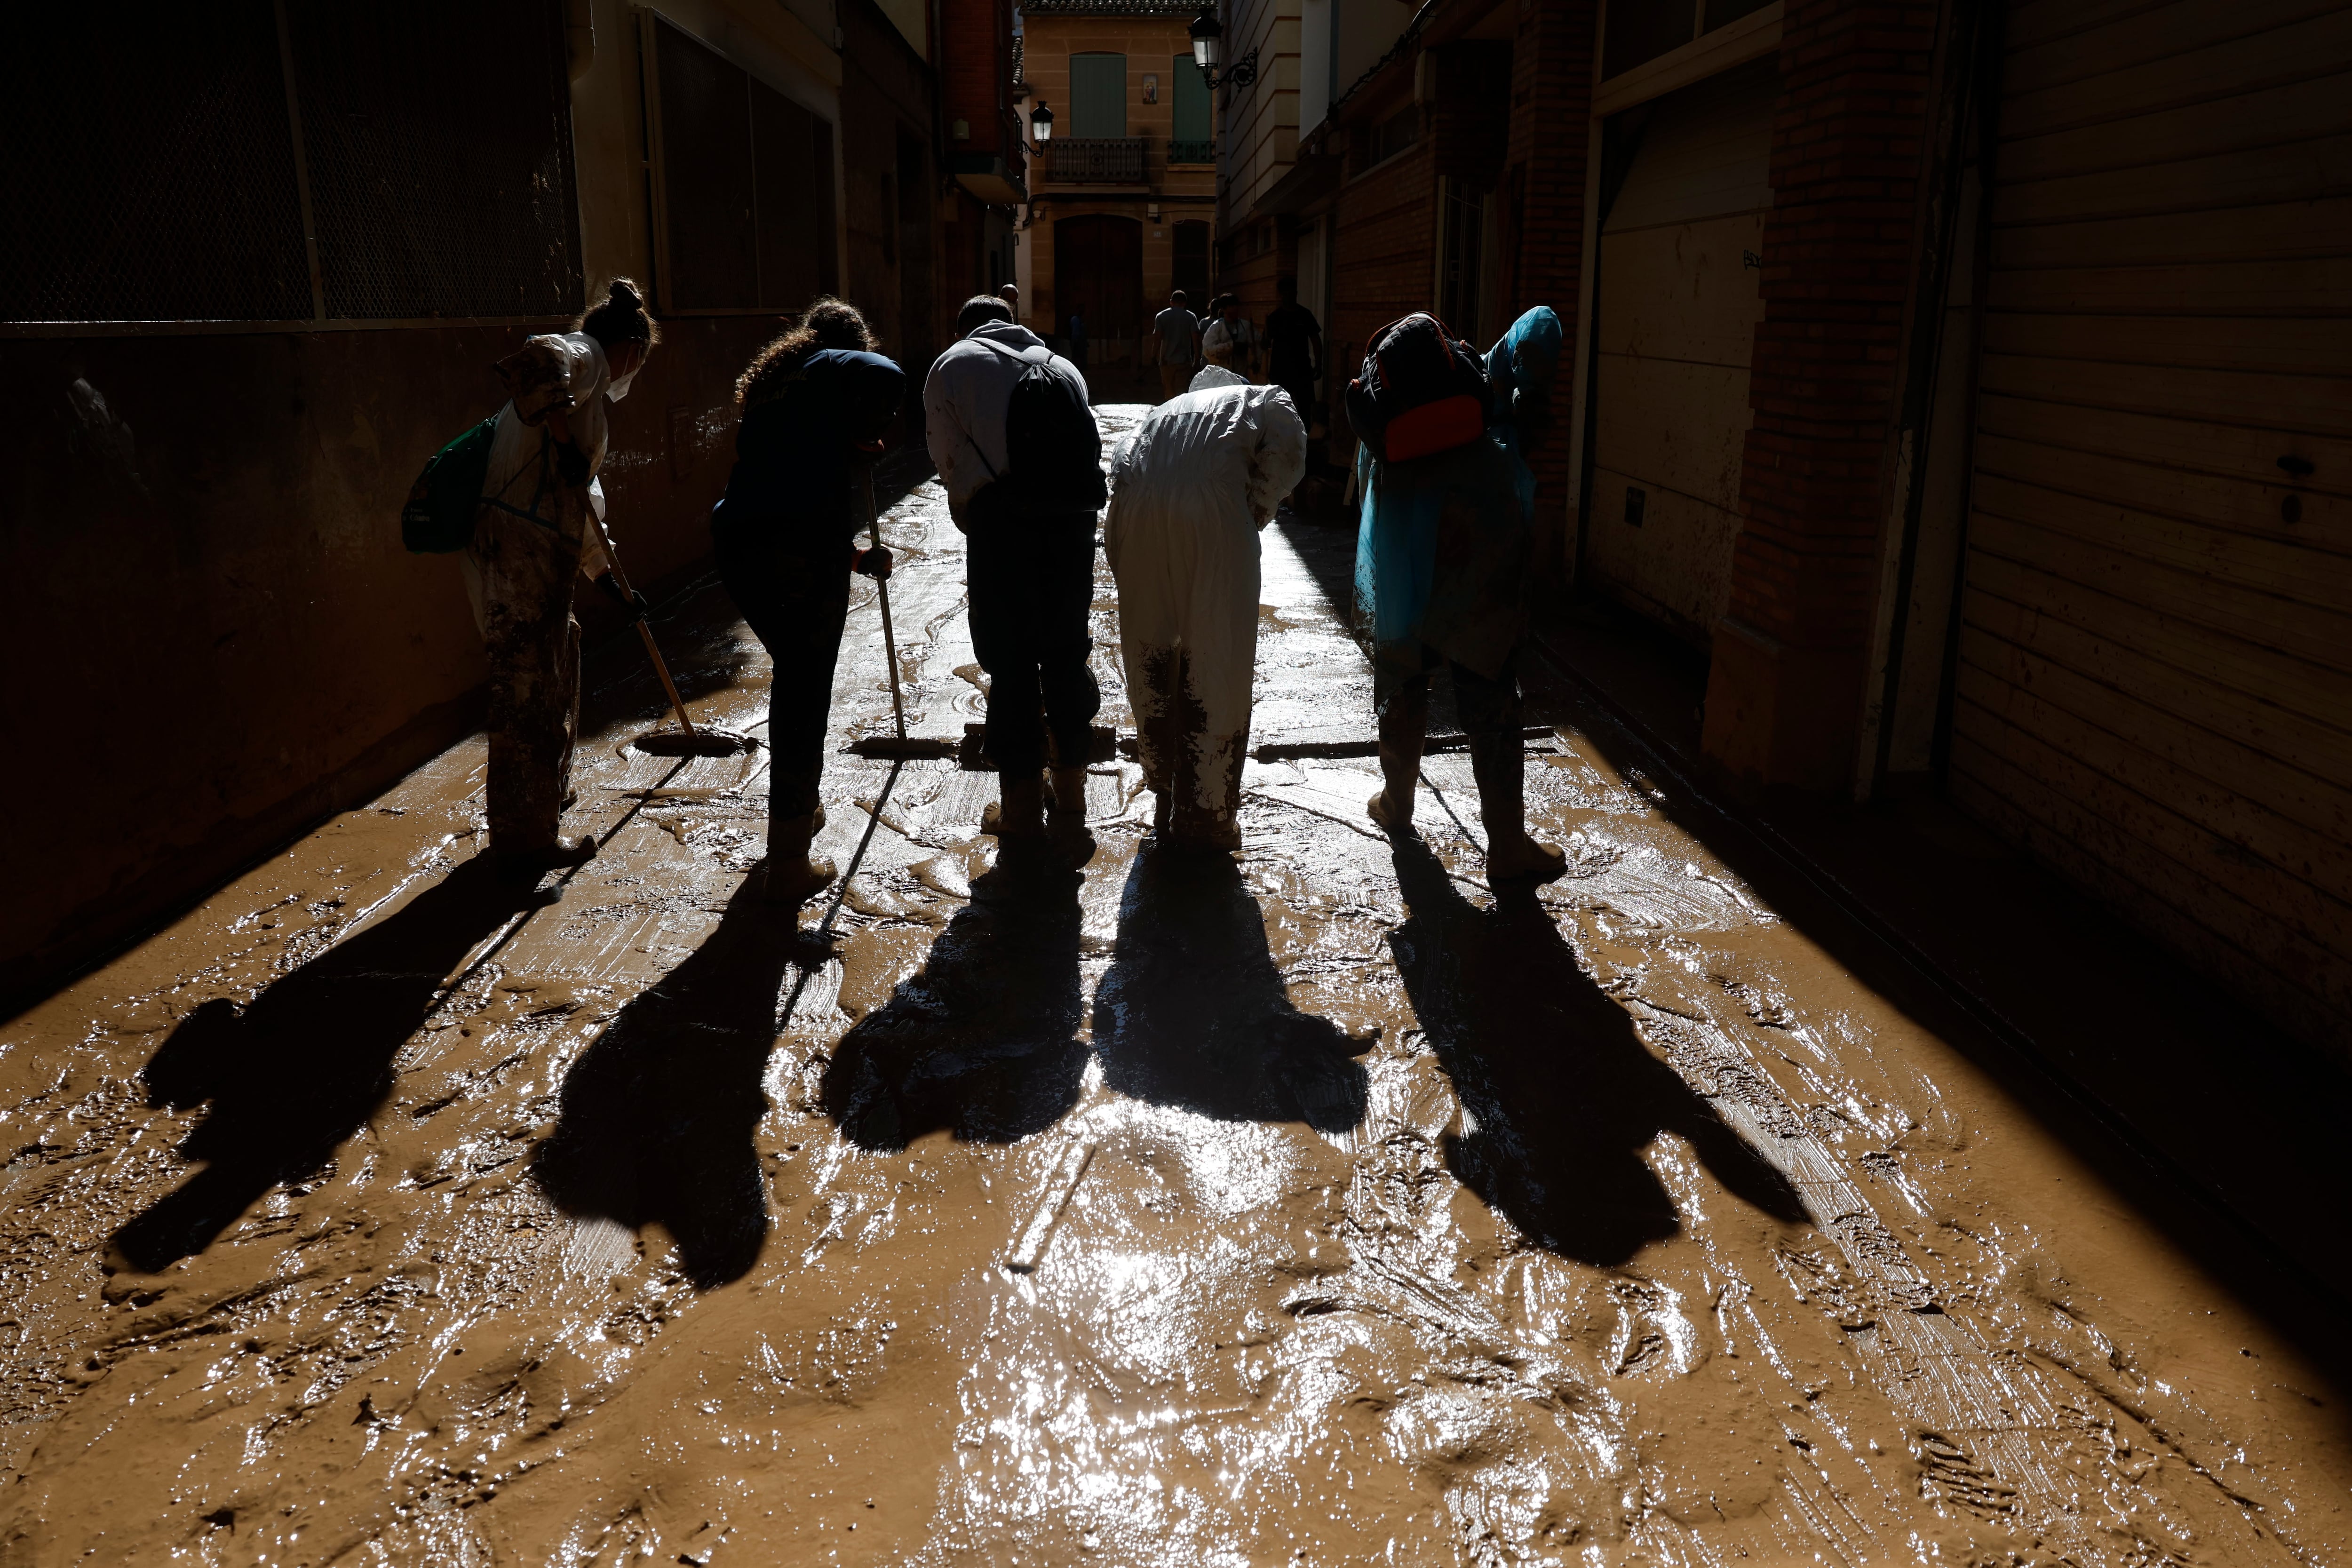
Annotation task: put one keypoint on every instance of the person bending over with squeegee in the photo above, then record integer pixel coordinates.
(548, 445)
(815, 404)
(1017, 449)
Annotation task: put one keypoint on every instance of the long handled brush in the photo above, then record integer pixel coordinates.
(900, 747)
(686, 741)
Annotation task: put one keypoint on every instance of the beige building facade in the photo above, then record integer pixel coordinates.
(1122, 204)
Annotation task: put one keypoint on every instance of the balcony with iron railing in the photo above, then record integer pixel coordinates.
(1203, 152)
(1094, 160)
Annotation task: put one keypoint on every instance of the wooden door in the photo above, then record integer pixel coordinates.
(2154, 676)
(1676, 319)
(1098, 274)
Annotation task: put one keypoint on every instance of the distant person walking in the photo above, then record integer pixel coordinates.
(1294, 350)
(1189, 489)
(545, 452)
(816, 403)
(1019, 453)
(1011, 294)
(1241, 337)
(1442, 562)
(1179, 332)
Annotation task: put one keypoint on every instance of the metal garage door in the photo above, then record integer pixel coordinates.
(1678, 308)
(2155, 680)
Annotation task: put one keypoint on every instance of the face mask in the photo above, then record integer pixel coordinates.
(619, 389)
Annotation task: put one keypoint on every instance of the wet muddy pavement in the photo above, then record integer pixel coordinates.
(1322, 1208)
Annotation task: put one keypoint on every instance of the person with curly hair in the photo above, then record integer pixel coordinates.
(816, 404)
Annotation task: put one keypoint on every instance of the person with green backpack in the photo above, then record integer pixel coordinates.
(513, 496)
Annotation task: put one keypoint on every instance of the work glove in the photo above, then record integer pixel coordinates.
(874, 562)
(633, 605)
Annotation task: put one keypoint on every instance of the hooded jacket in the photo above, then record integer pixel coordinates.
(964, 404)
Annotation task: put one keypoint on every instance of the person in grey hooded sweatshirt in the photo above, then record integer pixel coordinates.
(1030, 564)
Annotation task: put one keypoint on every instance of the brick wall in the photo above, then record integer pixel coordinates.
(976, 75)
(1784, 698)
(1384, 263)
(1540, 223)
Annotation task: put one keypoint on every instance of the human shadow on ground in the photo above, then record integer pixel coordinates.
(1562, 1093)
(1194, 1014)
(982, 1042)
(656, 1120)
(296, 1071)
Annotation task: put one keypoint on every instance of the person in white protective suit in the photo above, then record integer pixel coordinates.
(1189, 489)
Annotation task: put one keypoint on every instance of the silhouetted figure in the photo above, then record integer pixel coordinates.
(816, 405)
(1194, 1013)
(656, 1119)
(1563, 1095)
(983, 1041)
(302, 1067)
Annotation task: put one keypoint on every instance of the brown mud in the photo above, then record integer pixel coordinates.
(1319, 1207)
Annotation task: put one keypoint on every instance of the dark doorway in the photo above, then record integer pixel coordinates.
(1191, 272)
(1098, 274)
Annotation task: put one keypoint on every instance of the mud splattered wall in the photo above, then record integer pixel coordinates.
(215, 622)
(216, 631)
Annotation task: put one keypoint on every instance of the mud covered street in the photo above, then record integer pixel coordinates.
(1321, 1207)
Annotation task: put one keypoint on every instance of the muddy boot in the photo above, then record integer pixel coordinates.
(1019, 810)
(1403, 728)
(1066, 821)
(1496, 763)
(794, 875)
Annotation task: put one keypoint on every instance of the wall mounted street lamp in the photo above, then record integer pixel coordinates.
(1208, 39)
(1041, 126)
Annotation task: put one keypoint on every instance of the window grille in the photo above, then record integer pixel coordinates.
(150, 173)
(438, 138)
(746, 188)
(154, 173)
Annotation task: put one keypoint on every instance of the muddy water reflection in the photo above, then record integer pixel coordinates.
(1366, 1217)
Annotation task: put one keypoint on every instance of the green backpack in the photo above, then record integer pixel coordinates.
(447, 496)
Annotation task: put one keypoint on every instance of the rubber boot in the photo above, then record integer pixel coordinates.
(1019, 810)
(1404, 726)
(1069, 792)
(1496, 762)
(555, 855)
(794, 876)
(1066, 820)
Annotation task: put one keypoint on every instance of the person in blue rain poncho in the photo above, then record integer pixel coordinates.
(1443, 555)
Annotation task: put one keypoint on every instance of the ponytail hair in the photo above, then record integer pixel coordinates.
(827, 324)
(621, 318)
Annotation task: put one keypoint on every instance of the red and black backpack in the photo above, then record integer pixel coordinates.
(1423, 390)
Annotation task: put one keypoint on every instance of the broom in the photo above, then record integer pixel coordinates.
(686, 741)
(900, 747)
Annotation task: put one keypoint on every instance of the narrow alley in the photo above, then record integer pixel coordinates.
(1320, 1207)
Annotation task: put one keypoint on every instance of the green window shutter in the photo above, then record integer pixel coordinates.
(1192, 115)
(1098, 95)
